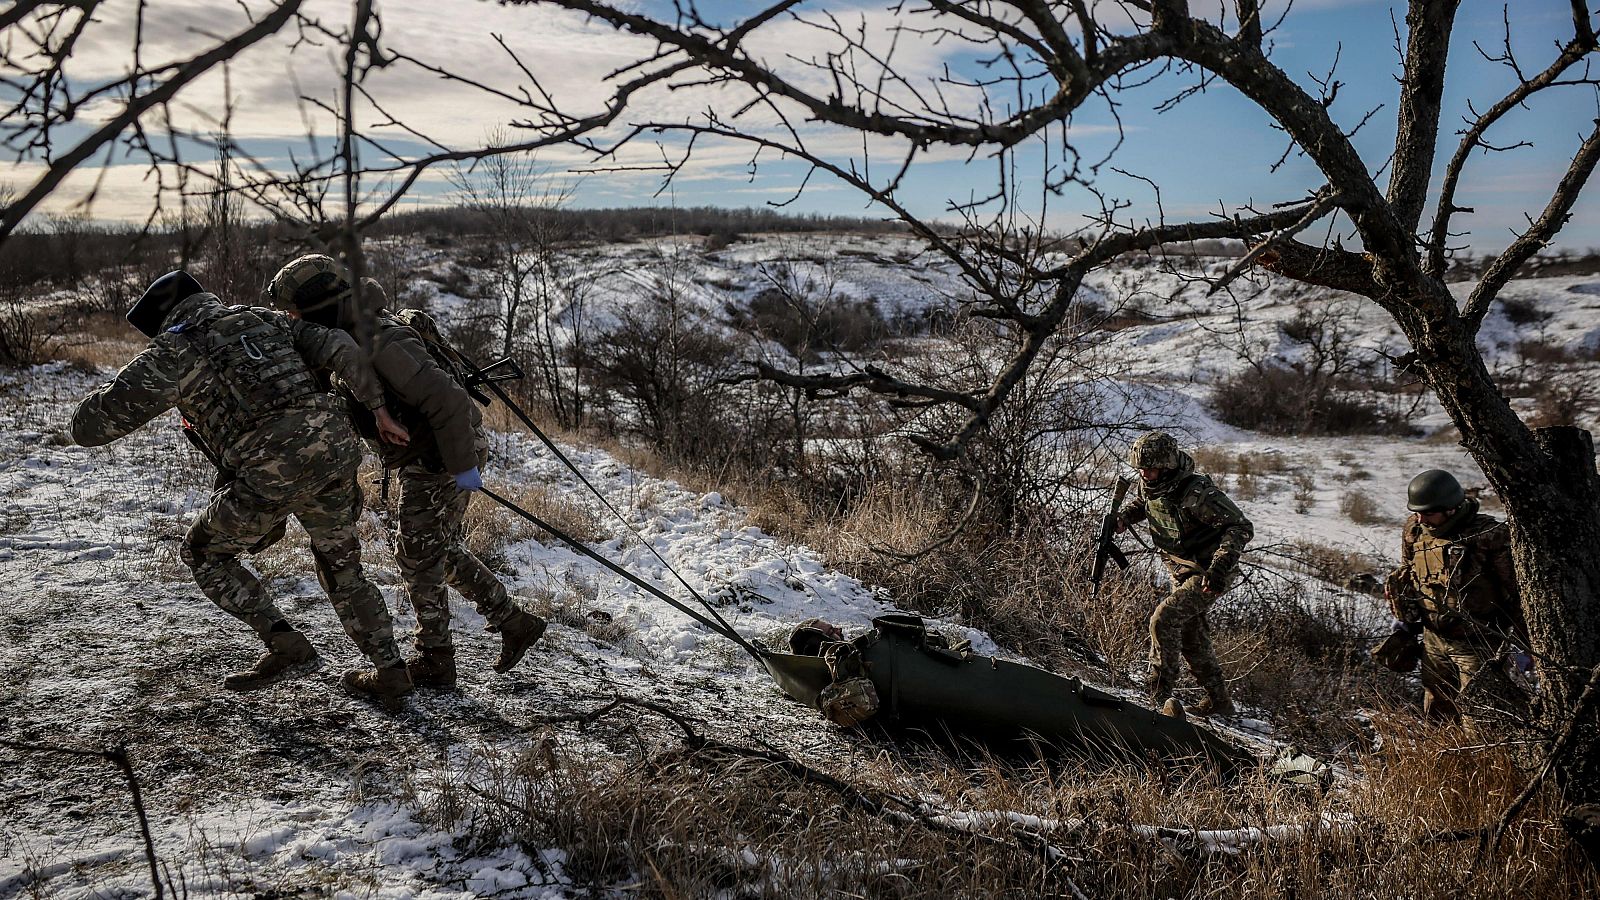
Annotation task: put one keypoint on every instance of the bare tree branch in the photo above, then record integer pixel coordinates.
(136, 107)
(117, 756)
(1574, 51)
(1538, 235)
(1421, 90)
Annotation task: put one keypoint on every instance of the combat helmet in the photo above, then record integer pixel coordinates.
(159, 298)
(315, 285)
(1154, 450)
(1434, 491)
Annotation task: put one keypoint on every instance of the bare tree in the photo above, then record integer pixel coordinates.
(1042, 63)
(1047, 61)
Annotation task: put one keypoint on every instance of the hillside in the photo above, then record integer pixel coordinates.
(300, 790)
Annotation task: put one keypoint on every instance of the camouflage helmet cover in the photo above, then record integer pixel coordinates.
(314, 284)
(1434, 491)
(809, 636)
(1155, 450)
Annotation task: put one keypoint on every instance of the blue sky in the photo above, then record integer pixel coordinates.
(1218, 147)
(1213, 150)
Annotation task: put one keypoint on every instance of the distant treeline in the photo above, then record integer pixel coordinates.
(639, 222)
(66, 250)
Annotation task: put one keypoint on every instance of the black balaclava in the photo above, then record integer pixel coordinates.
(159, 298)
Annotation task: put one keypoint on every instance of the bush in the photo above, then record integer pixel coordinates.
(1361, 509)
(1279, 400)
(1522, 311)
(806, 327)
(28, 336)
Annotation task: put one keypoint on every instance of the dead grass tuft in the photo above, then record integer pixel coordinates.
(490, 527)
(1361, 509)
(676, 818)
(102, 340)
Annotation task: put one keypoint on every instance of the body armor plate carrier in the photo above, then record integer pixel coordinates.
(253, 370)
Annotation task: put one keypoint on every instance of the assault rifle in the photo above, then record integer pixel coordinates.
(1106, 548)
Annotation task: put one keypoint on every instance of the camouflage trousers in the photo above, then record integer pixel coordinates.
(245, 511)
(1178, 629)
(1462, 680)
(433, 556)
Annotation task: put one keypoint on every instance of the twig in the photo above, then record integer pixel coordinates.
(1491, 841)
(117, 756)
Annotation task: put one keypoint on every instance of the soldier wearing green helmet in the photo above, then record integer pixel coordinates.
(439, 469)
(1200, 534)
(1455, 586)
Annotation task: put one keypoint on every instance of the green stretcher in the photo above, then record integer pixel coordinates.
(923, 685)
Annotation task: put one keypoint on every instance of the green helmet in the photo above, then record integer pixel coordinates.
(1434, 491)
(1155, 450)
(314, 284)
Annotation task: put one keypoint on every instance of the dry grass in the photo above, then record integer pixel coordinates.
(490, 527)
(1245, 464)
(1361, 509)
(670, 821)
(104, 340)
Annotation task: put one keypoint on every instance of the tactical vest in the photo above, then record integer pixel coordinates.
(249, 371)
(1454, 578)
(1175, 530)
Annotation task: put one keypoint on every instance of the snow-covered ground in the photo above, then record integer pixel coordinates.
(300, 790)
(107, 642)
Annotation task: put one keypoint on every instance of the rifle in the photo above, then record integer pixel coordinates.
(1106, 548)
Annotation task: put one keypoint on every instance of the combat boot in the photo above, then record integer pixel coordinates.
(285, 650)
(388, 686)
(434, 667)
(1158, 690)
(1173, 709)
(517, 634)
(1214, 706)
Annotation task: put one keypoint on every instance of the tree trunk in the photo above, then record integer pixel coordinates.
(1547, 480)
(1555, 533)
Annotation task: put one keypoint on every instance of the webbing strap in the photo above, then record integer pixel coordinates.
(551, 446)
(722, 629)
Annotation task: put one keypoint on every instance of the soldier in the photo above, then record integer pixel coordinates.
(1200, 534)
(242, 379)
(439, 469)
(1455, 584)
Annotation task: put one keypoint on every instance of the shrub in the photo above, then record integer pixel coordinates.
(1361, 509)
(1522, 311)
(1278, 400)
(28, 336)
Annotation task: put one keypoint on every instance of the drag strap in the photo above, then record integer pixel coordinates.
(550, 445)
(722, 628)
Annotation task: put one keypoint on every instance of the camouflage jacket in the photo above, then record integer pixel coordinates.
(1192, 522)
(1457, 579)
(243, 377)
(445, 424)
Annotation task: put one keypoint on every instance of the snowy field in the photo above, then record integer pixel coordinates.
(300, 790)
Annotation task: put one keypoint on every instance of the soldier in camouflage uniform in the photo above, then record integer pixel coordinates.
(1455, 584)
(242, 378)
(1200, 534)
(439, 469)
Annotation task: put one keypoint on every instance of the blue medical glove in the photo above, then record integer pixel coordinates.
(469, 480)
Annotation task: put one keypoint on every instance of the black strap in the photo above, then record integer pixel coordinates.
(516, 410)
(722, 629)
